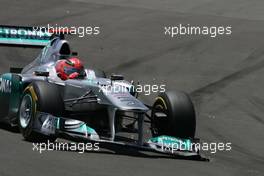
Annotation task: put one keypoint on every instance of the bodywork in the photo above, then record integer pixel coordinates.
(79, 96)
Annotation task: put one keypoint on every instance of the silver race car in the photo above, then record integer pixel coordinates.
(90, 107)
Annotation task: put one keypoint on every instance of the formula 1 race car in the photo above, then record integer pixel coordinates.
(92, 107)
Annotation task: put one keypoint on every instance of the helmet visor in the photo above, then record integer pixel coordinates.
(70, 70)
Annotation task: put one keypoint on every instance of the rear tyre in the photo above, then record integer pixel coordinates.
(173, 114)
(42, 97)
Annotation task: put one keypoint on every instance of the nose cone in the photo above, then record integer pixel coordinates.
(125, 101)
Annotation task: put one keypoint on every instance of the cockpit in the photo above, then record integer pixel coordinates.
(50, 55)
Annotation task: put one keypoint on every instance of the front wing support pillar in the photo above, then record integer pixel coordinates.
(111, 115)
(140, 128)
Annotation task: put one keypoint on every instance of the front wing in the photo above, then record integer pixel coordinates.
(74, 129)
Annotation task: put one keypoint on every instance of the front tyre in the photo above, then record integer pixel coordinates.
(173, 114)
(34, 100)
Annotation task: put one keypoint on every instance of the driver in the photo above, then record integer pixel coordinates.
(70, 69)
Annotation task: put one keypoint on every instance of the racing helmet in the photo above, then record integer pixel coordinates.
(70, 69)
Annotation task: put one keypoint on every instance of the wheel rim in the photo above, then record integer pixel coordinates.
(25, 111)
(158, 107)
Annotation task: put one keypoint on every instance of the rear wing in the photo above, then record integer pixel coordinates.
(24, 36)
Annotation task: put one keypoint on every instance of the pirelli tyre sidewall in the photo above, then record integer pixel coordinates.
(27, 115)
(39, 96)
(180, 120)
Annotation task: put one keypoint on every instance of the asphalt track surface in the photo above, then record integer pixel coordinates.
(224, 75)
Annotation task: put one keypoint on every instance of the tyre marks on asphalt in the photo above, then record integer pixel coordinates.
(216, 86)
(189, 44)
(235, 147)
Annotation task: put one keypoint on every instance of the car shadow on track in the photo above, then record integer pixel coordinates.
(7, 127)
